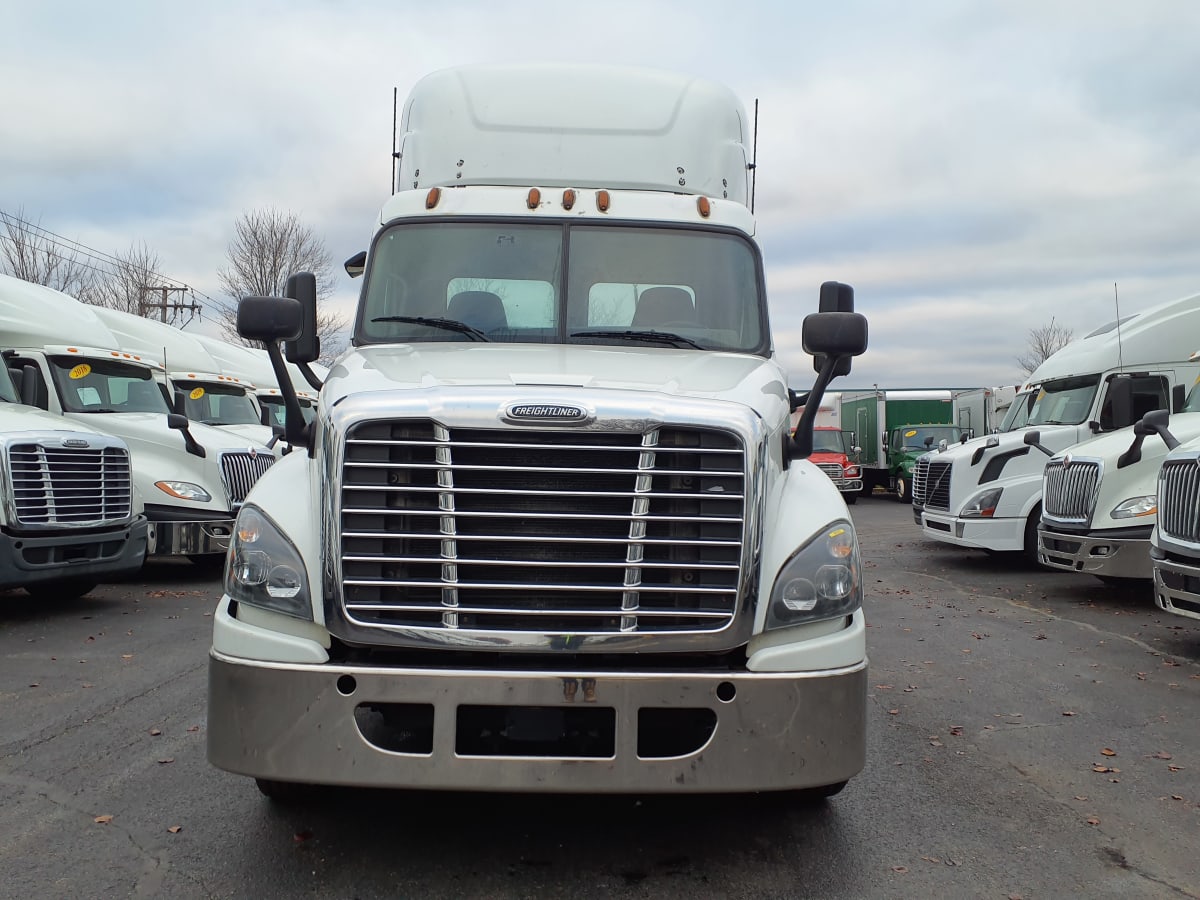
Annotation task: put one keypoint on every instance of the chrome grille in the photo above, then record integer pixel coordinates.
(937, 485)
(918, 480)
(1179, 499)
(833, 470)
(1069, 492)
(239, 471)
(546, 532)
(55, 485)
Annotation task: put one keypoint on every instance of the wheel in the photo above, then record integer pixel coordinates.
(902, 490)
(284, 792)
(851, 497)
(1030, 550)
(66, 589)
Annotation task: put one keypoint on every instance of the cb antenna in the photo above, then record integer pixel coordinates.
(754, 158)
(1117, 306)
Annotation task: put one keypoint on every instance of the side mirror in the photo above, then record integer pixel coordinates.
(836, 298)
(835, 334)
(305, 346)
(357, 264)
(269, 319)
(180, 423)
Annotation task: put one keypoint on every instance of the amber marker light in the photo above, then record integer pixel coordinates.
(602, 201)
(432, 198)
(704, 206)
(568, 198)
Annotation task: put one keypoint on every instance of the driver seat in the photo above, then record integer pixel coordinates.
(663, 305)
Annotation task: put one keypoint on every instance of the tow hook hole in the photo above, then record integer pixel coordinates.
(346, 685)
(726, 691)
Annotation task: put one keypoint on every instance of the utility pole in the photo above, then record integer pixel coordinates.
(176, 306)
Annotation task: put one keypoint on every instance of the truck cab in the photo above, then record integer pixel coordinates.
(550, 531)
(837, 458)
(906, 443)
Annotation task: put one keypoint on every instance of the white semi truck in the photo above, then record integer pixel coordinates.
(203, 388)
(257, 367)
(1175, 540)
(987, 492)
(70, 517)
(191, 477)
(550, 531)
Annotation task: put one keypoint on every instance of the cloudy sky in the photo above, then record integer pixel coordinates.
(973, 169)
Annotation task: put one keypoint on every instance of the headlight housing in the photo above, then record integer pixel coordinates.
(983, 505)
(264, 569)
(851, 471)
(184, 490)
(822, 580)
(1135, 507)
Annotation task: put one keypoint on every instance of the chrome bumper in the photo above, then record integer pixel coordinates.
(848, 485)
(772, 731)
(1095, 554)
(189, 538)
(1177, 588)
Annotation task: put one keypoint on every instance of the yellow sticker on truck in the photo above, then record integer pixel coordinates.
(196, 393)
(83, 370)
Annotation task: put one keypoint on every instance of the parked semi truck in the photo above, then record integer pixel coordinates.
(987, 493)
(835, 454)
(191, 477)
(890, 426)
(70, 517)
(1175, 539)
(550, 531)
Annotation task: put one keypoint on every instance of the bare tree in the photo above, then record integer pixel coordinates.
(29, 252)
(128, 283)
(1044, 342)
(268, 246)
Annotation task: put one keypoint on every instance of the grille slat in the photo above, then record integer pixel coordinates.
(517, 530)
(931, 484)
(1069, 492)
(69, 486)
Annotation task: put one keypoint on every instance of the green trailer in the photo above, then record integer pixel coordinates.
(878, 417)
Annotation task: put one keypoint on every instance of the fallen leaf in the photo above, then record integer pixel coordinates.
(126, 656)
(1080, 798)
(1108, 751)
(1176, 797)
(893, 712)
(1174, 768)
(1161, 754)
(193, 728)
(155, 732)
(1093, 821)
(956, 730)
(1096, 767)
(36, 684)
(900, 869)
(102, 820)
(167, 761)
(175, 829)
(1068, 713)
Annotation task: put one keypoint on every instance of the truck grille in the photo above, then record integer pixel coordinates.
(69, 486)
(833, 470)
(1179, 499)
(547, 532)
(1069, 492)
(239, 471)
(931, 483)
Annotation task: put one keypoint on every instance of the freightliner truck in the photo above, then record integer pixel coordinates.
(987, 492)
(551, 531)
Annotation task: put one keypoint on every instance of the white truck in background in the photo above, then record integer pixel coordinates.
(192, 478)
(202, 388)
(550, 531)
(979, 411)
(69, 515)
(1175, 540)
(257, 366)
(987, 493)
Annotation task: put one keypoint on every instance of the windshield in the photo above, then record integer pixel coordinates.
(927, 437)
(827, 441)
(563, 283)
(1066, 401)
(217, 404)
(101, 385)
(1017, 415)
(276, 413)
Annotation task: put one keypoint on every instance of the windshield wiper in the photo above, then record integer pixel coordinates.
(435, 322)
(662, 337)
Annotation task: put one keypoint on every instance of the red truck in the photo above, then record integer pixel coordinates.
(830, 456)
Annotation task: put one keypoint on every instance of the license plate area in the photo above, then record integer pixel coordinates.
(536, 731)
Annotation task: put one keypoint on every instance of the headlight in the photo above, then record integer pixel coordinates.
(1136, 506)
(264, 569)
(851, 471)
(184, 490)
(822, 580)
(983, 504)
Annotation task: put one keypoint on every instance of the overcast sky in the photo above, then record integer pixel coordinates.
(972, 169)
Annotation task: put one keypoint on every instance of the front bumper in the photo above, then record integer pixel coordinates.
(189, 537)
(1127, 556)
(1177, 587)
(770, 731)
(1001, 534)
(103, 555)
(848, 485)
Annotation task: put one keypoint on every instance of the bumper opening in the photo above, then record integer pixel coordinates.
(537, 731)
(396, 727)
(663, 733)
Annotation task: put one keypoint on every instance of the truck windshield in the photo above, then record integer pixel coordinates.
(564, 283)
(828, 441)
(276, 414)
(1017, 415)
(217, 404)
(101, 385)
(927, 437)
(1065, 401)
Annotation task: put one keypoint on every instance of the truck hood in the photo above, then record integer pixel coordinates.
(1054, 437)
(751, 379)
(18, 417)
